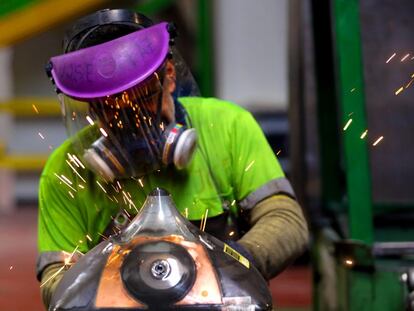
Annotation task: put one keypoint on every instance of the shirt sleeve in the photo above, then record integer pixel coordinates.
(60, 222)
(254, 162)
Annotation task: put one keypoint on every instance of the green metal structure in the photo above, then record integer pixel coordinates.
(204, 70)
(10, 6)
(352, 105)
(205, 47)
(357, 265)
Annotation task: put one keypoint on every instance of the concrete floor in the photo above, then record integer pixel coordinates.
(19, 289)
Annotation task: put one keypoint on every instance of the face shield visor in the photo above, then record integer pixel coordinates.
(119, 102)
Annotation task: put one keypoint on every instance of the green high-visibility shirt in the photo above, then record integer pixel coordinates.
(233, 160)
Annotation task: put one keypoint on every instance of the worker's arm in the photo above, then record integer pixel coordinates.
(61, 224)
(278, 234)
(50, 278)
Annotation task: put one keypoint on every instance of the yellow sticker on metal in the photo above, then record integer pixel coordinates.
(231, 252)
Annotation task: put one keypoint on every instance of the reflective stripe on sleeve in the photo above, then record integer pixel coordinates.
(275, 186)
(47, 258)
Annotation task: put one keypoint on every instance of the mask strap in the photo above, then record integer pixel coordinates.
(180, 113)
(160, 78)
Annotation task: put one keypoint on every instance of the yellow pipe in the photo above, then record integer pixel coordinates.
(27, 162)
(27, 107)
(31, 107)
(41, 16)
(21, 162)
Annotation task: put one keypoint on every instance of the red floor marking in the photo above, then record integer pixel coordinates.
(293, 287)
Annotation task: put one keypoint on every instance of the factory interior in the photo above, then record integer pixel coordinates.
(330, 83)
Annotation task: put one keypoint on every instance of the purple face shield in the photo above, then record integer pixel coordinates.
(118, 106)
(111, 67)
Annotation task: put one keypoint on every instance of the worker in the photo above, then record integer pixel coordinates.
(135, 122)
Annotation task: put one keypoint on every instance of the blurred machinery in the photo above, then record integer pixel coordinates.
(357, 85)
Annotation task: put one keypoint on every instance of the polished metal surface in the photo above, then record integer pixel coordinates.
(158, 272)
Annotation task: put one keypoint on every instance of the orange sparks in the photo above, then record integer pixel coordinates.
(378, 140)
(140, 182)
(99, 184)
(405, 57)
(391, 57)
(69, 258)
(399, 90)
(364, 134)
(75, 171)
(72, 159)
(409, 83)
(53, 276)
(279, 151)
(205, 220)
(89, 120)
(249, 166)
(66, 181)
(104, 237)
(103, 132)
(347, 124)
(35, 109)
(129, 200)
(11, 268)
(67, 262)
(78, 161)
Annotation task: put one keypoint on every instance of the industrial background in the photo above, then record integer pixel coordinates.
(329, 81)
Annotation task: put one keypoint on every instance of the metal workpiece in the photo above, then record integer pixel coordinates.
(167, 272)
(160, 261)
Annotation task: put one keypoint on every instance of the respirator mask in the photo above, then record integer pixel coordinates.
(120, 102)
